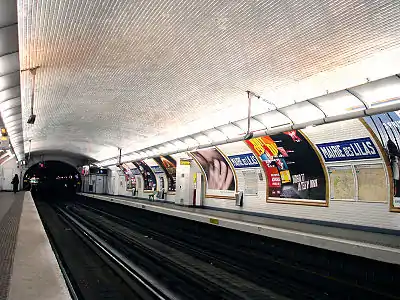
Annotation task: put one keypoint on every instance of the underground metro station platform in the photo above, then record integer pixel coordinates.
(199, 150)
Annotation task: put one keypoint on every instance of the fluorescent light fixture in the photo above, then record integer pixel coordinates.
(134, 155)
(216, 135)
(170, 147)
(202, 139)
(149, 153)
(127, 157)
(191, 142)
(156, 151)
(162, 149)
(180, 146)
(273, 119)
(230, 130)
(303, 112)
(379, 93)
(338, 103)
(9, 94)
(130, 165)
(382, 95)
(12, 118)
(254, 125)
(14, 102)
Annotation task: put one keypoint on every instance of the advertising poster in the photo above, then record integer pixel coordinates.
(220, 177)
(149, 179)
(292, 167)
(387, 129)
(168, 164)
(129, 176)
(85, 171)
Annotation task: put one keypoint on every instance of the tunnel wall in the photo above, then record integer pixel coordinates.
(354, 188)
(35, 159)
(8, 169)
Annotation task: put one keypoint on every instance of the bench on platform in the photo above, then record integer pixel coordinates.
(151, 196)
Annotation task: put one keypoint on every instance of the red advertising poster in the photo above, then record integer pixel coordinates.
(291, 165)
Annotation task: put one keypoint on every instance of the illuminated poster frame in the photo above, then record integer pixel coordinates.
(130, 178)
(149, 178)
(218, 172)
(295, 173)
(168, 164)
(384, 127)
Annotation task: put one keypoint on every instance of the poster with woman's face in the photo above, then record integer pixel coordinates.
(292, 166)
(219, 174)
(168, 164)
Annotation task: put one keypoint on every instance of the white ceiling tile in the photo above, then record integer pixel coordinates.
(124, 73)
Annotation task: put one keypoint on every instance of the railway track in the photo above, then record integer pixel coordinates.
(165, 261)
(284, 275)
(186, 275)
(92, 268)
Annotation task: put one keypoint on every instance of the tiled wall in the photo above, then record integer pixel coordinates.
(349, 212)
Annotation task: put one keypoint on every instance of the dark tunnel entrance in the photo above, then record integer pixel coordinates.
(52, 180)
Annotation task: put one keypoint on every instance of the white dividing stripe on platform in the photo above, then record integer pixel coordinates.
(367, 250)
(36, 274)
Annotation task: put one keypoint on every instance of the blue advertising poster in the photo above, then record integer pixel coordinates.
(247, 160)
(356, 149)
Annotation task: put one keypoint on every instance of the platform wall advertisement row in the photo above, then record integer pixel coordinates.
(291, 167)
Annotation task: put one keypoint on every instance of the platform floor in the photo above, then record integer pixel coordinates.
(378, 246)
(10, 213)
(28, 267)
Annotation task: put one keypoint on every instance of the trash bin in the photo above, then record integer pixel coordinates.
(239, 198)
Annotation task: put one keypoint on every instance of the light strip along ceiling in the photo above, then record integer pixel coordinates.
(368, 99)
(10, 91)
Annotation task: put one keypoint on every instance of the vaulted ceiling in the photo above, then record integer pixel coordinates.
(10, 90)
(131, 74)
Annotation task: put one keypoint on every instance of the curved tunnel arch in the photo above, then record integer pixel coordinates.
(55, 177)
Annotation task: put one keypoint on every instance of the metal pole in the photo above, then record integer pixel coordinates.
(248, 113)
(33, 72)
(29, 155)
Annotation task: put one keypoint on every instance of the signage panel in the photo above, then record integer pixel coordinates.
(355, 149)
(4, 143)
(157, 169)
(246, 160)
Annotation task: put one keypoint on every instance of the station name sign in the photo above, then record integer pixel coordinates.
(355, 149)
(247, 160)
(157, 169)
